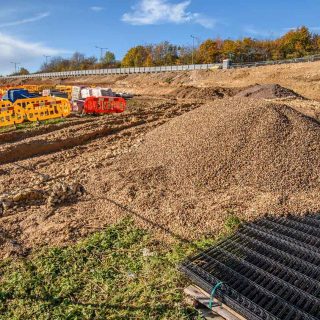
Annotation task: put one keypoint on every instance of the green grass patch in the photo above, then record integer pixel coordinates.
(106, 276)
(231, 223)
(119, 273)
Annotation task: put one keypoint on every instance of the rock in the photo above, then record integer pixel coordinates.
(6, 205)
(17, 197)
(147, 253)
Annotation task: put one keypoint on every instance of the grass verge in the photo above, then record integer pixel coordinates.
(120, 273)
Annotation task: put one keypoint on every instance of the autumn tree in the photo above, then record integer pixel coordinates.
(296, 43)
(22, 72)
(135, 57)
(209, 51)
(230, 49)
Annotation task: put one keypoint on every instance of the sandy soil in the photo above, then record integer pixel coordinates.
(58, 183)
(44, 172)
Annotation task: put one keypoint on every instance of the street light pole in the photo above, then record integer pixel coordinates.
(193, 38)
(15, 66)
(46, 57)
(101, 51)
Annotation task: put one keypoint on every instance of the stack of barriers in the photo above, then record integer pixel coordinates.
(33, 109)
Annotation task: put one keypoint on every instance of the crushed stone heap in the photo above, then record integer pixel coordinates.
(245, 156)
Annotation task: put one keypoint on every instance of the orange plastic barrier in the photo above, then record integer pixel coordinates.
(9, 114)
(65, 89)
(37, 100)
(33, 109)
(49, 109)
(97, 105)
(29, 87)
(4, 89)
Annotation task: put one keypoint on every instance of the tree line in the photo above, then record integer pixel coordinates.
(294, 44)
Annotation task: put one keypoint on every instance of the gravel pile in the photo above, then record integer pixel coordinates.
(243, 156)
(267, 91)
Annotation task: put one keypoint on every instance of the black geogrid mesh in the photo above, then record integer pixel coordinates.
(270, 269)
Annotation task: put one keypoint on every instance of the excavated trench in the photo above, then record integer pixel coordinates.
(16, 146)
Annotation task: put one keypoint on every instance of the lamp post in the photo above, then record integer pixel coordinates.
(101, 51)
(46, 57)
(15, 66)
(193, 39)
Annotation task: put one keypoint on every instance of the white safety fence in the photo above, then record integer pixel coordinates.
(114, 71)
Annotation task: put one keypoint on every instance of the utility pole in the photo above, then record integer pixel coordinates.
(15, 66)
(101, 51)
(46, 57)
(193, 38)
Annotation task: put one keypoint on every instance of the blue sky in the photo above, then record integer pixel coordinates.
(30, 29)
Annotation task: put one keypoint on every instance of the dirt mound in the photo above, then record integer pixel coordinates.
(189, 92)
(244, 156)
(267, 91)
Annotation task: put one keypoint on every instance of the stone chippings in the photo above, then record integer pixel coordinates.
(243, 156)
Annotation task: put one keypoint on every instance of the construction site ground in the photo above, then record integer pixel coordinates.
(58, 181)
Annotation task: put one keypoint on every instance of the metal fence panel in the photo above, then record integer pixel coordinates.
(161, 68)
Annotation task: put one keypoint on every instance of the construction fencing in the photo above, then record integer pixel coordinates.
(114, 71)
(33, 109)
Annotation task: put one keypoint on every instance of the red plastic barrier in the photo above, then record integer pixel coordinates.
(96, 105)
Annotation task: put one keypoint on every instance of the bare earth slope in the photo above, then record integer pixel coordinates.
(301, 77)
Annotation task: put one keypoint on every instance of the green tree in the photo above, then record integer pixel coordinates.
(109, 58)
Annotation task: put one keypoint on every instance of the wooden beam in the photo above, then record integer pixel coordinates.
(204, 298)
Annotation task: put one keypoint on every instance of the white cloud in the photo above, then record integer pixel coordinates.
(27, 20)
(148, 12)
(252, 31)
(96, 8)
(26, 53)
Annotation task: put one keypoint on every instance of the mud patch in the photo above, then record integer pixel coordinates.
(268, 91)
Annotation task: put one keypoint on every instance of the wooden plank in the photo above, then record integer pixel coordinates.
(204, 298)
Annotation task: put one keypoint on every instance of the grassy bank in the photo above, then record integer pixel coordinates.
(120, 273)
